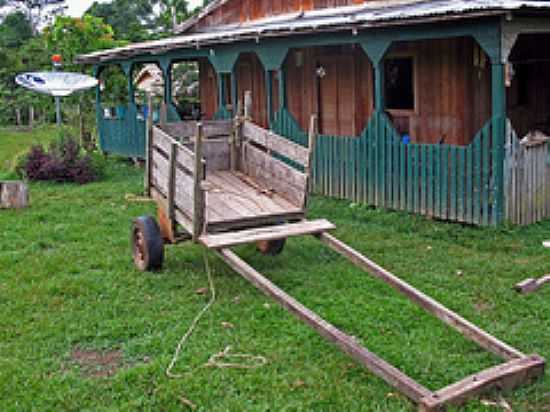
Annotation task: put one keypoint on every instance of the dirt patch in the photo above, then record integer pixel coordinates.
(96, 364)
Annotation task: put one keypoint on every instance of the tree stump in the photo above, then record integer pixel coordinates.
(13, 195)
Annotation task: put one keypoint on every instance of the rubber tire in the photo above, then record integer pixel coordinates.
(147, 244)
(271, 247)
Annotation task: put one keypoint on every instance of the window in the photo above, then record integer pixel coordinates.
(399, 83)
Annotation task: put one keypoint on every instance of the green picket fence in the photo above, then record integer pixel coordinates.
(376, 168)
(124, 134)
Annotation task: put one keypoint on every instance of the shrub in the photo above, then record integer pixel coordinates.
(64, 161)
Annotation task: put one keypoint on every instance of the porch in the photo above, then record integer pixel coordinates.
(444, 150)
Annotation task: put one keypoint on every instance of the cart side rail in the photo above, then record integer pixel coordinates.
(188, 129)
(261, 159)
(176, 174)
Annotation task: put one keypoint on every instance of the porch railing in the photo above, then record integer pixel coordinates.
(377, 168)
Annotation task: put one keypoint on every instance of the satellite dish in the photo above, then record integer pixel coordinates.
(58, 84)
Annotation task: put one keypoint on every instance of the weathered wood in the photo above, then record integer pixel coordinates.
(526, 179)
(466, 328)
(148, 145)
(199, 198)
(13, 195)
(172, 184)
(531, 285)
(502, 377)
(346, 343)
(162, 141)
(188, 129)
(183, 220)
(275, 143)
(312, 145)
(275, 174)
(163, 113)
(225, 240)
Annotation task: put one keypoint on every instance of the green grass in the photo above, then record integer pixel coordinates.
(13, 143)
(67, 281)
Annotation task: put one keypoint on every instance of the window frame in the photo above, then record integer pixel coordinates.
(414, 57)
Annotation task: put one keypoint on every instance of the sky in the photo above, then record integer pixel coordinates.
(78, 7)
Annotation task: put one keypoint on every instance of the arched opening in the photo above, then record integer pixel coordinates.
(438, 91)
(113, 92)
(148, 79)
(528, 91)
(336, 83)
(208, 90)
(186, 89)
(251, 77)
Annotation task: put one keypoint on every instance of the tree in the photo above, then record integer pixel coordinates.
(141, 20)
(70, 36)
(15, 30)
(131, 20)
(39, 12)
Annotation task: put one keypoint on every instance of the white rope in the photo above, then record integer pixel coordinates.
(215, 360)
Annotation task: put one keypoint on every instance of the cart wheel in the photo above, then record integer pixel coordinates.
(271, 247)
(147, 244)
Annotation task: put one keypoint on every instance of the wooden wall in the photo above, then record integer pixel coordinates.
(238, 11)
(208, 89)
(251, 76)
(453, 91)
(342, 97)
(452, 88)
(528, 97)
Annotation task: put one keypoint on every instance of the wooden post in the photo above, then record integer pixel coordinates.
(282, 89)
(163, 113)
(198, 193)
(172, 188)
(13, 195)
(148, 144)
(235, 140)
(499, 126)
(312, 139)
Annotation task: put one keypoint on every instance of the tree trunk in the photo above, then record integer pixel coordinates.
(13, 195)
(18, 117)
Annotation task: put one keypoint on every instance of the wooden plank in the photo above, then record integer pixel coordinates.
(346, 343)
(182, 219)
(486, 165)
(477, 201)
(430, 200)
(531, 285)
(198, 195)
(449, 317)
(148, 145)
(506, 376)
(312, 145)
(275, 174)
(444, 181)
(14, 195)
(276, 143)
(267, 233)
(172, 185)
(461, 170)
(252, 221)
(188, 129)
(453, 188)
(185, 157)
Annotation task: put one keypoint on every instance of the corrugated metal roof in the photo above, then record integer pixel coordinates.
(361, 16)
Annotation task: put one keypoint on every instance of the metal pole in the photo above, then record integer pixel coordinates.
(58, 110)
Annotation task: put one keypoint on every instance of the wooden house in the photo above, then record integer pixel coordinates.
(423, 106)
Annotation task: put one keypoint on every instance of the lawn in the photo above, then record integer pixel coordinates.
(83, 330)
(13, 142)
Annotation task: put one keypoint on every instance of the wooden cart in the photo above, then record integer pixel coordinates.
(225, 183)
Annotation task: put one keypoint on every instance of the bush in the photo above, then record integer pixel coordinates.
(64, 161)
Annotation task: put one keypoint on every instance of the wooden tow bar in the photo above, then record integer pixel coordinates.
(226, 183)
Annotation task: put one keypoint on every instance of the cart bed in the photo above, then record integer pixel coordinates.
(222, 178)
